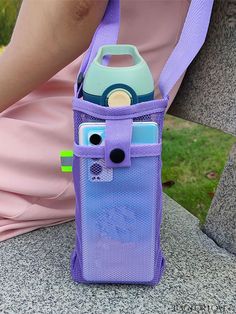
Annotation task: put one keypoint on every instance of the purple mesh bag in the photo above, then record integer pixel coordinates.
(118, 234)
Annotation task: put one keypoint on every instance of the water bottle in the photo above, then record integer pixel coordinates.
(117, 210)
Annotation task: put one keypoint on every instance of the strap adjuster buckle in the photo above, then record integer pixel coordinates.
(80, 79)
(79, 83)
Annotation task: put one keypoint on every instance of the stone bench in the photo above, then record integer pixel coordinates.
(201, 263)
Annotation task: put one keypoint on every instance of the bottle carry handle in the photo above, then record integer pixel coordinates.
(118, 50)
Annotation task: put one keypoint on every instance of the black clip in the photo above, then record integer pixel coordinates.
(79, 82)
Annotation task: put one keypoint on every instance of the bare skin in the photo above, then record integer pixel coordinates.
(49, 34)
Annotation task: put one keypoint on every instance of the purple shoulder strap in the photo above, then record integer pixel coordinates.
(191, 40)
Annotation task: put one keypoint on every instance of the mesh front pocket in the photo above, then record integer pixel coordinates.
(118, 221)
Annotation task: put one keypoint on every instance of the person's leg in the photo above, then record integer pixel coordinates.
(34, 192)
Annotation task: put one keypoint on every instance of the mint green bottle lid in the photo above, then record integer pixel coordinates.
(100, 77)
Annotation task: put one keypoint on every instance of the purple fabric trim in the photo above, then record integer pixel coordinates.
(118, 135)
(135, 150)
(128, 112)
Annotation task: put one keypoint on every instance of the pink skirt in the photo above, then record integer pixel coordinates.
(34, 192)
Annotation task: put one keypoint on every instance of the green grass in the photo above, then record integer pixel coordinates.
(190, 151)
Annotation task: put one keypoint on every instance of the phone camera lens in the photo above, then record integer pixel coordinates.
(96, 169)
(95, 139)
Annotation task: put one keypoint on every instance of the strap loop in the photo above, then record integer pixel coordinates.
(101, 112)
(118, 134)
(136, 150)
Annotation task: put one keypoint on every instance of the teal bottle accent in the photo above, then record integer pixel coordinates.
(103, 100)
(100, 79)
